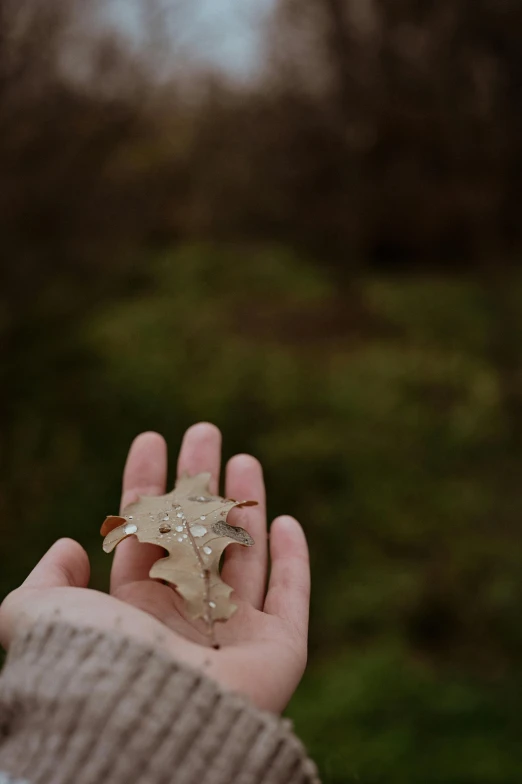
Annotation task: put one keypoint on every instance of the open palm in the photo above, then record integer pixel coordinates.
(263, 646)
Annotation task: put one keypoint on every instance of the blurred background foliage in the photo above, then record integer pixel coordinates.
(321, 255)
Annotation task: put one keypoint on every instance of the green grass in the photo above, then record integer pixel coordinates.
(384, 415)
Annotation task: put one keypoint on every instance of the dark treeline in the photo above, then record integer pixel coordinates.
(409, 147)
(375, 132)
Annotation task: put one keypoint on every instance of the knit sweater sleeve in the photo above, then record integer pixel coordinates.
(79, 706)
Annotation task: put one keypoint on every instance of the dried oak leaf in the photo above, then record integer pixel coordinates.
(190, 523)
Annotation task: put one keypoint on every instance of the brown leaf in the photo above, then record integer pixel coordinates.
(110, 523)
(190, 523)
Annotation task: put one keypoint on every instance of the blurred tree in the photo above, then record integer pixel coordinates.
(406, 115)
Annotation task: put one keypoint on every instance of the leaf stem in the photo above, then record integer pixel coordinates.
(206, 576)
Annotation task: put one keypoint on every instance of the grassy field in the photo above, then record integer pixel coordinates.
(388, 416)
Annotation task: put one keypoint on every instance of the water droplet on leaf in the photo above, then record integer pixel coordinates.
(198, 530)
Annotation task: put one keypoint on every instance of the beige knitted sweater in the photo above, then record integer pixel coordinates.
(79, 706)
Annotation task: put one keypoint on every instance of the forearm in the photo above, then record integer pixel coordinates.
(82, 706)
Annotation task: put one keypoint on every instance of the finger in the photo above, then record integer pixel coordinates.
(145, 473)
(245, 567)
(288, 594)
(65, 564)
(200, 452)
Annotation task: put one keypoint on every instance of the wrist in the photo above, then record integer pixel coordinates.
(109, 707)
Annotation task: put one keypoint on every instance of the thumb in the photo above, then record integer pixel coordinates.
(65, 565)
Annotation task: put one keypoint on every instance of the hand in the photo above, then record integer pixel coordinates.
(263, 646)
